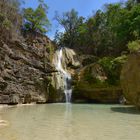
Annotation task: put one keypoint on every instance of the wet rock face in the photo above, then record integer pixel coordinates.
(130, 79)
(24, 73)
(69, 59)
(70, 63)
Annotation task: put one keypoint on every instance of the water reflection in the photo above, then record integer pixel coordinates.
(70, 122)
(68, 111)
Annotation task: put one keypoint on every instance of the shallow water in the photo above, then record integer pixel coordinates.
(70, 122)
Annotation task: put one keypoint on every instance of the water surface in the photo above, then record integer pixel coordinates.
(70, 122)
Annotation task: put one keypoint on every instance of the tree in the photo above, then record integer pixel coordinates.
(10, 18)
(70, 21)
(36, 20)
(130, 4)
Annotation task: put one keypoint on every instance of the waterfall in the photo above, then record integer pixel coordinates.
(65, 75)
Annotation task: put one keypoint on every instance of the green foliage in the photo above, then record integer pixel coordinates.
(10, 18)
(4, 22)
(120, 60)
(70, 21)
(134, 46)
(130, 3)
(36, 20)
(106, 62)
(88, 77)
(106, 33)
(7, 24)
(112, 67)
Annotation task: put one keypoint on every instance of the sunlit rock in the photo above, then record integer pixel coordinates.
(130, 79)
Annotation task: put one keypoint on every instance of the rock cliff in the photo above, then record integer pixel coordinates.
(25, 71)
(28, 74)
(130, 79)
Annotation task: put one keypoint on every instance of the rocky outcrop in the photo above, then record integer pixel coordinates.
(69, 60)
(90, 86)
(130, 79)
(25, 71)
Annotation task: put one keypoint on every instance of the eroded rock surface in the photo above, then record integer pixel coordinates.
(25, 71)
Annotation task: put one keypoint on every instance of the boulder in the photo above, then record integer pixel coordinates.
(130, 79)
(88, 94)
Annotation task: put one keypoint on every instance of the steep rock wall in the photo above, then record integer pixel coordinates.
(130, 79)
(25, 71)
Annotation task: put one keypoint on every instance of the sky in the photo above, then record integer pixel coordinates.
(85, 8)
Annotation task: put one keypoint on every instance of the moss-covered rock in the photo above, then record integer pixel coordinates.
(88, 93)
(90, 86)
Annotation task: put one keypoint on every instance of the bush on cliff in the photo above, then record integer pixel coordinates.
(134, 46)
(112, 67)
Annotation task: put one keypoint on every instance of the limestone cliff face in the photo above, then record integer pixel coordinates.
(25, 71)
(130, 79)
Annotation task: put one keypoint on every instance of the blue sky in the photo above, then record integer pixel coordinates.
(84, 7)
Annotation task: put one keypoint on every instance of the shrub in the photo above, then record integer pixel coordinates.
(10, 19)
(134, 46)
(112, 67)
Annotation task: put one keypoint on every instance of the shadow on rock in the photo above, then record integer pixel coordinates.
(126, 109)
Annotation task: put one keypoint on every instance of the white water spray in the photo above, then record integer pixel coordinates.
(66, 76)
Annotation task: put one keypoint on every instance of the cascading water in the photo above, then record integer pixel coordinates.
(65, 75)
